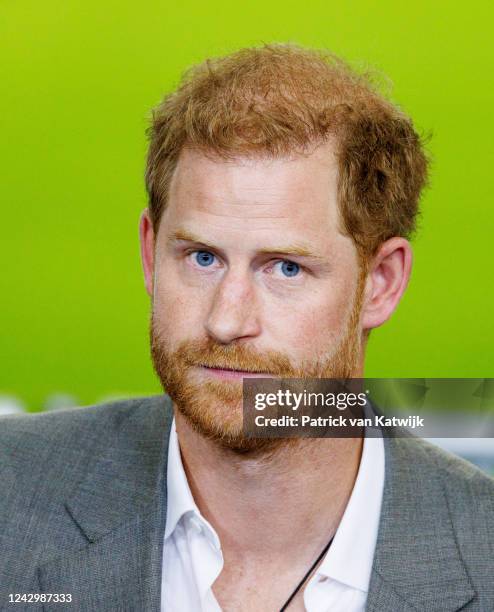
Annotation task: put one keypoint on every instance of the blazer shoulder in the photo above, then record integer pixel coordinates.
(46, 458)
(457, 472)
(48, 455)
(63, 433)
(469, 495)
(468, 491)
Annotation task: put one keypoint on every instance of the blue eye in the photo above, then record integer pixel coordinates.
(204, 258)
(290, 268)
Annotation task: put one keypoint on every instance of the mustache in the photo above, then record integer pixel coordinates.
(210, 354)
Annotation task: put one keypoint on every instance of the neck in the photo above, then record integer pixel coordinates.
(303, 487)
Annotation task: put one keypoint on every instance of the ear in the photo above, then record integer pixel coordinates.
(387, 280)
(146, 236)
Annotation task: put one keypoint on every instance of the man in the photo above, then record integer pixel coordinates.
(283, 189)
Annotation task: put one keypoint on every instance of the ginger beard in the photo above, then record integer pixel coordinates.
(214, 407)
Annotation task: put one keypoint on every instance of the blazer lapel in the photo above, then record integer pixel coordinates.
(382, 597)
(121, 509)
(417, 564)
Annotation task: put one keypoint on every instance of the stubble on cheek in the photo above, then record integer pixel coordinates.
(214, 408)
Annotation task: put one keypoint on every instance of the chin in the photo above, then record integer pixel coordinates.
(215, 411)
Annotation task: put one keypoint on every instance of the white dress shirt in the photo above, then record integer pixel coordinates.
(192, 556)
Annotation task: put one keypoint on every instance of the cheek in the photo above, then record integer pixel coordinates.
(310, 325)
(175, 311)
(319, 329)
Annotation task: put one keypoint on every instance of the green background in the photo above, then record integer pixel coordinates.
(77, 82)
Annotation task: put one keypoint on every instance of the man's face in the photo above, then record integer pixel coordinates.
(251, 277)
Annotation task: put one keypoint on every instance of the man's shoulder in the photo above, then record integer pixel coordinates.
(63, 421)
(443, 488)
(470, 495)
(460, 477)
(437, 525)
(63, 435)
(46, 423)
(78, 456)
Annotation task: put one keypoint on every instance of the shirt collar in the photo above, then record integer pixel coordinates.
(179, 496)
(350, 557)
(180, 502)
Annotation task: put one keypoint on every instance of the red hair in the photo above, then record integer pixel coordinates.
(282, 99)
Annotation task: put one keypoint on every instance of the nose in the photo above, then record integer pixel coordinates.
(234, 312)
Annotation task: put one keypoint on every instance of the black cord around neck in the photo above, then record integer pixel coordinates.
(309, 572)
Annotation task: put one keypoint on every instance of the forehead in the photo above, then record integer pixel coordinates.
(256, 199)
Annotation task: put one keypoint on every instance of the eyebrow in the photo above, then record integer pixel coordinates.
(291, 250)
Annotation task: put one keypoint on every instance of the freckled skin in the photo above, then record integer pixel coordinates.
(241, 207)
(221, 294)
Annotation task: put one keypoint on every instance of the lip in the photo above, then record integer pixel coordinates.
(233, 374)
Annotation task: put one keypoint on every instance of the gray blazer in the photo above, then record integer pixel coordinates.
(83, 507)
